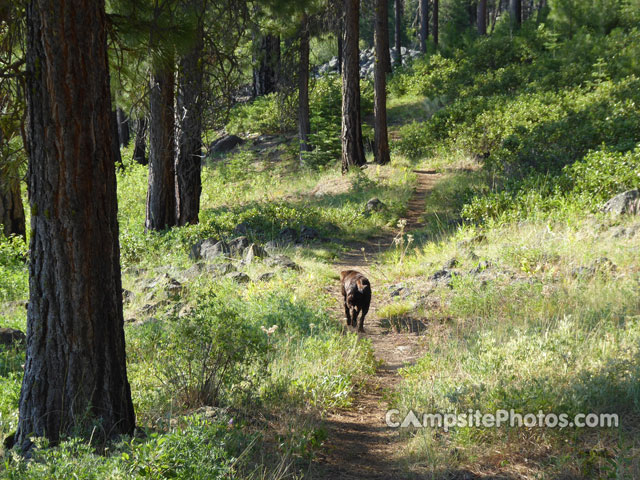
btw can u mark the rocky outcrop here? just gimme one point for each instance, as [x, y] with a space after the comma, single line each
[626, 202]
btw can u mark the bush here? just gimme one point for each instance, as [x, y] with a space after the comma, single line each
[209, 352]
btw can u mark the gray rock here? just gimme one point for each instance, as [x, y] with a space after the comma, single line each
[451, 264]
[225, 144]
[399, 290]
[157, 281]
[219, 269]
[208, 249]
[374, 205]
[583, 272]
[442, 277]
[333, 63]
[626, 232]
[626, 202]
[174, 288]
[127, 295]
[482, 266]
[237, 245]
[239, 277]
[265, 277]
[192, 272]
[11, 336]
[282, 261]
[252, 252]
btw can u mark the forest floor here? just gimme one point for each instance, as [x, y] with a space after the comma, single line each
[360, 445]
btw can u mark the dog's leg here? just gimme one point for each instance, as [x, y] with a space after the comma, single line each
[364, 312]
[354, 316]
[347, 312]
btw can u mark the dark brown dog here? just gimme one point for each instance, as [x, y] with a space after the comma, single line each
[356, 292]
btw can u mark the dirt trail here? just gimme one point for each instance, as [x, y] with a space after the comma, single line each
[360, 445]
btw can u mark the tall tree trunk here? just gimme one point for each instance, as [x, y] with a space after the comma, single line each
[482, 17]
[189, 157]
[515, 11]
[140, 147]
[381, 40]
[340, 46]
[161, 195]
[424, 25]
[11, 209]
[436, 7]
[123, 128]
[304, 126]
[265, 76]
[75, 375]
[352, 148]
[397, 61]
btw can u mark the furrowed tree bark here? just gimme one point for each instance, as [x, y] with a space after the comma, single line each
[75, 373]
[161, 195]
[189, 158]
[397, 61]
[436, 8]
[482, 17]
[11, 208]
[381, 141]
[265, 76]
[123, 128]
[352, 147]
[424, 25]
[140, 146]
[304, 126]
[515, 11]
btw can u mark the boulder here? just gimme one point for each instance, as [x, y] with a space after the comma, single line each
[253, 251]
[374, 205]
[225, 144]
[626, 202]
[283, 261]
[451, 264]
[265, 277]
[208, 249]
[219, 269]
[174, 288]
[239, 277]
[11, 336]
[237, 245]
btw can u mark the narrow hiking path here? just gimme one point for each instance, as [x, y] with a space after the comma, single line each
[360, 445]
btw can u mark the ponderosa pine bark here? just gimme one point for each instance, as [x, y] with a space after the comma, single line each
[398, 33]
[161, 194]
[436, 31]
[304, 125]
[140, 145]
[515, 11]
[352, 147]
[124, 135]
[189, 157]
[482, 17]
[424, 25]
[75, 376]
[381, 141]
[11, 208]
[265, 76]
